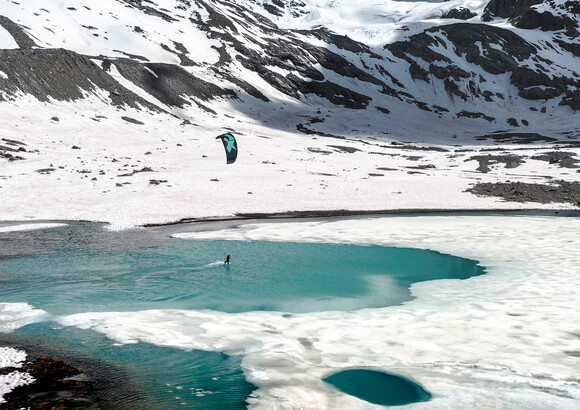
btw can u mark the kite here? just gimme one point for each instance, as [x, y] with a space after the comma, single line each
[230, 145]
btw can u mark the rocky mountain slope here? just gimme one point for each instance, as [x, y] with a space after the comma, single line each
[504, 64]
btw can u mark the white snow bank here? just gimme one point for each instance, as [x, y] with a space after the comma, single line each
[29, 227]
[17, 315]
[10, 357]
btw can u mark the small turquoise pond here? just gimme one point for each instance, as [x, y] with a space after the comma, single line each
[376, 387]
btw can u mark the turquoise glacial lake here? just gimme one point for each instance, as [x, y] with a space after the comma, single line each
[82, 267]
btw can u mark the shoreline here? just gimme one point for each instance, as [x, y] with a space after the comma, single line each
[312, 214]
[354, 213]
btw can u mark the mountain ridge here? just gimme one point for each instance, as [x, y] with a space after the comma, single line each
[475, 66]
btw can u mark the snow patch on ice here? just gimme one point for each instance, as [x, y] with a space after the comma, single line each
[29, 227]
[17, 315]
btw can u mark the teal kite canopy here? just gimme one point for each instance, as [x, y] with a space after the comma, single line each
[230, 145]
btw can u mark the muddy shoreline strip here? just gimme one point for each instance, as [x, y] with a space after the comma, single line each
[354, 213]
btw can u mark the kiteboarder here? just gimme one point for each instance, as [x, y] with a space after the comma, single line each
[227, 262]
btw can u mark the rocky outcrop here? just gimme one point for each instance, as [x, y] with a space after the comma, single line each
[558, 192]
[169, 83]
[559, 15]
[61, 75]
[57, 385]
[66, 76]
[509, 9]
[459, 13]
[278, 8]
[495, 50]
[18, 33]
[300, 59]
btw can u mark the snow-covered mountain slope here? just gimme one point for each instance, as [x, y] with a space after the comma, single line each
[365, 105]
[506, 65]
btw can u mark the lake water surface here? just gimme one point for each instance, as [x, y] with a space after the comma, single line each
[82, 267]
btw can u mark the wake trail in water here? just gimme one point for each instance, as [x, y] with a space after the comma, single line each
[211, 265]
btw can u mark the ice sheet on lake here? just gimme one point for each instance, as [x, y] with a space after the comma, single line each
[17, 315]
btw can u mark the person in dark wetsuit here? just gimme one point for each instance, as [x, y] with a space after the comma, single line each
[227, 262]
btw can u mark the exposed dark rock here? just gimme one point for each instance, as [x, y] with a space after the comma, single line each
[247, 87]
[508, 8]
[287, 52]
[182, 53]
[318, 151]
[57, 386]
[12, 142]
[562, 158]
[12, 146]
[558, 192]
[408, 147]
[45, 170]
[423, 167]
[60, 74]
[523, 14]
[308, 131]
[459, 13]
[448, 72]
[297, 64]
[572, 99]
[510, 161]
[453, 89]
[17, 32]
[342, 148]
[517, 137]
[545, 21]
[417, 72]
[418, 45]
[139, 4]
[132, 120]
[496, 50]
[573, 48]
[144, 169]
[468, 38]
[468, 114]
[169, 83]
[341, 41]
[10, 157]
